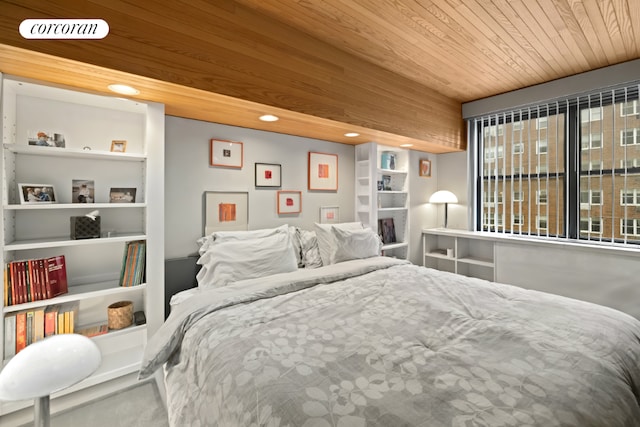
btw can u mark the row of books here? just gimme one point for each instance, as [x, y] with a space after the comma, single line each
[133, 263]
[34, 279]
[28, 326]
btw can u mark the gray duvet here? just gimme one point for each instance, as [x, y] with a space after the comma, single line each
[381, 342]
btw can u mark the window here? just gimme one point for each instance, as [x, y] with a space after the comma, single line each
[591, 141]
[591, 115]
[629, 109]
[630, 197]
[491, 198]
[541, 147]
[491, 153]
[629, 136]
[572, 168]
[630, 227]
[541, 197]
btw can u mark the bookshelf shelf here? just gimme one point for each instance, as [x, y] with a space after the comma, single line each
[19, 245]
[83, 206]
[73, 153]
[81, 292]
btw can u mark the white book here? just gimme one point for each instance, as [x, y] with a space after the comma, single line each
[9, 336]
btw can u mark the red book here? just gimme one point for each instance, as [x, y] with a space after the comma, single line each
[21, 330]
[57, 272]
[44, 278]
[51, 320]
[35, 291]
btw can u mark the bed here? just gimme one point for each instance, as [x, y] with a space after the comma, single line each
[367, 340]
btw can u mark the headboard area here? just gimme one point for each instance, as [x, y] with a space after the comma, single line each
[179, 275]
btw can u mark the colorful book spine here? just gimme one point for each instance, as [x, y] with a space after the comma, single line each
[9, 335]
[21, 330]
[38, 324]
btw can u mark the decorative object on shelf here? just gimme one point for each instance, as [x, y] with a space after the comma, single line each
[388, 160]
[322, 171]
[425, 168]
[268, 175]
[139, 318]
[86, 148]
[82, 191]
[46, 367]
[118, 146]
[46, 139]
[380, 185]
[132, 271]
[329, 215]
[85, 227]
[225, 211]
[120, 314]
[36, 193]
[443, 197]
[386, 182]
[225, 153]
[289, 202]
[387, 230]
[122, 195]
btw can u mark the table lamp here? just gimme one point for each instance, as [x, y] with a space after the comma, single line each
[443, 197]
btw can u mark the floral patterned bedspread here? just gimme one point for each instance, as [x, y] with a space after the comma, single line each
[381, 342]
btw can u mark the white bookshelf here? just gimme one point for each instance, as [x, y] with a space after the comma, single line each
[89, 123]
[373, 204]
[472, 253]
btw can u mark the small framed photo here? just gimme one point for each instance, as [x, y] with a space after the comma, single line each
[82, 191]
[329, 214]
[323, 171]
[36, 193]
[43, 138]
[118, 146]
[225, 211]
[122, 195]
[225, 153]
[268, 175]
[289, 202]
[425, 168]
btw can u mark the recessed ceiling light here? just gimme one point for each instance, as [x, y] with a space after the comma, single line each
[351, 134]
[123, 89]
[406, 145]
[269, 118]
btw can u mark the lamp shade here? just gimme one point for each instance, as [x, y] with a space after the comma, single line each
[443, 196]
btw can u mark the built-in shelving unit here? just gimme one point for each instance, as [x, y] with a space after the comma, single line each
[391, 200]
[89, 123]
[459, 251]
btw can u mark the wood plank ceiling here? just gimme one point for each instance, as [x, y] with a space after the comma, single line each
[396, 71]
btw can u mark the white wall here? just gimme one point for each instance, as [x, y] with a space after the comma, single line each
[188, 175]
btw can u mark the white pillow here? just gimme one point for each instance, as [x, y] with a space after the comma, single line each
[227, 236]
[326, 241]
[227, 262]
[355, 244]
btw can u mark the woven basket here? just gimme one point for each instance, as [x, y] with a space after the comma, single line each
[120, 314]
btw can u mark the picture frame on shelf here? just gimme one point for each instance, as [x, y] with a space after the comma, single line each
[122, 195]
[225, 211]
[386, 182]
[268, 175]
[226, 153]
[387, 229]
[329, 214]
[425, 168]
[42, 138]
[82, 191]
[322, 171]
[118, 146]
[289, 202]
[33, 194]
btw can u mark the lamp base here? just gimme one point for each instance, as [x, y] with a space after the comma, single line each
[42, 417]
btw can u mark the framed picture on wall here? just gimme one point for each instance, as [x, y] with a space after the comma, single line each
[225, 211]
[268, 175]
[425, 168]
[323, 171]
[329, 214]
[289, 202]
[225, 153]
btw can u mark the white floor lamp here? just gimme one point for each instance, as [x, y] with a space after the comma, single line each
[443, 197]
[48, 366]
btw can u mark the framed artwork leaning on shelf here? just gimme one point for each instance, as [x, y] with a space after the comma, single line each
[122, 195]
[36, 193]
